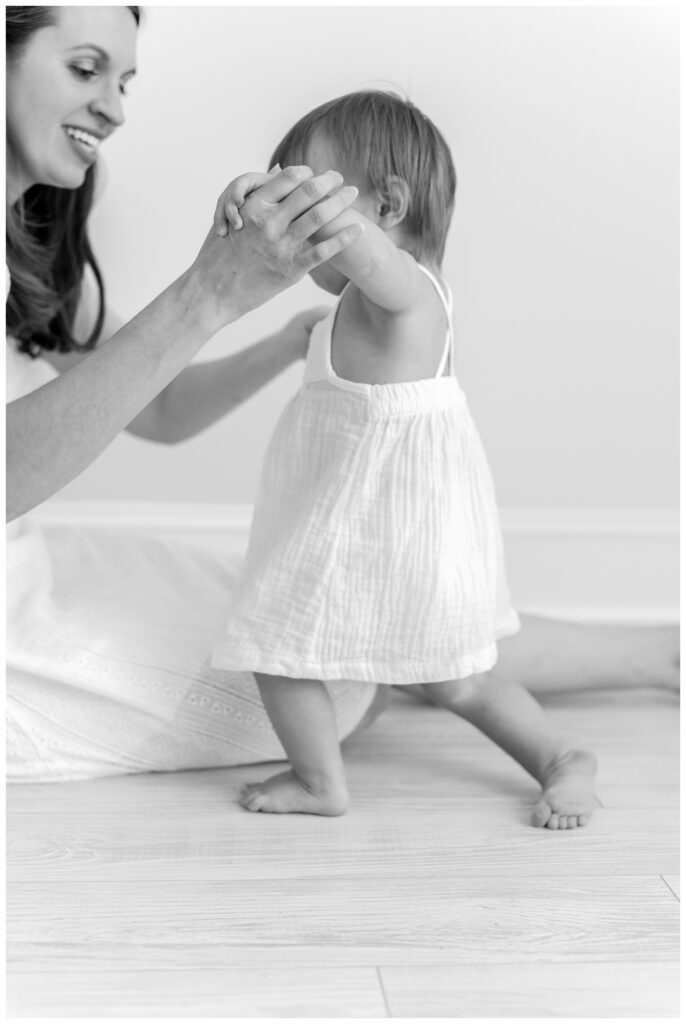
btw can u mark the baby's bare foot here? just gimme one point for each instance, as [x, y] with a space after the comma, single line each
[568, 796]
[286, 793]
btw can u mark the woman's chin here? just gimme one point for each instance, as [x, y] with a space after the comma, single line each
[74, 178]
[70, 176]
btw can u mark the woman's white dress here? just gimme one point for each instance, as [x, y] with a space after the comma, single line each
[108, 641]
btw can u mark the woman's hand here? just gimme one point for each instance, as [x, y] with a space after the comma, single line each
[239, 272]
[295, 335]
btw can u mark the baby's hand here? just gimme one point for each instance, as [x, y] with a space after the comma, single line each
[233, 197]
[297, 331]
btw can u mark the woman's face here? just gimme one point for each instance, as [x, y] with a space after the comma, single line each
[64, 95]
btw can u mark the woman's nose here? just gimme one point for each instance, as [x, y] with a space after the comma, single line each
[108, 104]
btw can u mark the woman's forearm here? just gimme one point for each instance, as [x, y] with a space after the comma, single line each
[54, 433]
[203, 393]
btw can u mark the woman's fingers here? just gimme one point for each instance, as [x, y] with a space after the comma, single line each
[295, 201]
[283, 183]
[310, 193]
[323, 213]
[313, 255]
[308, 205]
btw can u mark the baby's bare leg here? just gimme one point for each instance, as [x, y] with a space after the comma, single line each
[510, 716]
[303, 716]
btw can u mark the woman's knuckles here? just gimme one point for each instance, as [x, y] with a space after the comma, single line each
[316, 217]
[313, 189]
[296, 174]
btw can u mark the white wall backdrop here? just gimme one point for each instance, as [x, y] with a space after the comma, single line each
[563, 256]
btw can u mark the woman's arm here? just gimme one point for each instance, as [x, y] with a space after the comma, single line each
[204, 393]
[55, 432]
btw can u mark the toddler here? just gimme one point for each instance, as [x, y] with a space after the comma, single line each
[375, 552]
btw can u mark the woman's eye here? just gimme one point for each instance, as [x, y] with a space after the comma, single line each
[85, 74]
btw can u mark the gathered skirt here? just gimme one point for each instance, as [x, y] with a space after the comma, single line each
[375, 552]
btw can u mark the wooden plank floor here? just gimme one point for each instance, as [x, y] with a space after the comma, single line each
[157, 896]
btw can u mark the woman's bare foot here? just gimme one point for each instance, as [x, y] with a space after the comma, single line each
[568, 796]
[286, 793]
[658, 657]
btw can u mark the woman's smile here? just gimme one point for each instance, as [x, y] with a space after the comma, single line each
[85, 143]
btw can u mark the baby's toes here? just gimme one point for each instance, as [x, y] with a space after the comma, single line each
[541, 814]
[252, 798]
[553, 821]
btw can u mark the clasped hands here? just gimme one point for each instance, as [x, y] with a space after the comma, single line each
[251, 256]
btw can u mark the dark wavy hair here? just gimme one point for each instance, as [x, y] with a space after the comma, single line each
[383, 135]
[47, 241]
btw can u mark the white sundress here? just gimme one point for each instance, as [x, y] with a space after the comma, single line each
[375, 551]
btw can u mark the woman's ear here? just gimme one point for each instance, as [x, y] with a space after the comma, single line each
[394, 203]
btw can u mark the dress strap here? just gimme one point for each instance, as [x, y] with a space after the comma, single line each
[448, 356]
[318, 361]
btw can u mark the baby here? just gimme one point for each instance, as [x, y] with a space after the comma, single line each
[375, 552]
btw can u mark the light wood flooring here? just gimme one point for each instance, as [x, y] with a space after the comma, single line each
[158, 896]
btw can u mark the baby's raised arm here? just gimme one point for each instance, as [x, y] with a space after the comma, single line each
[388, 276]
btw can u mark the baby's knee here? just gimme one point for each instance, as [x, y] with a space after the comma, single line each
[451, 693]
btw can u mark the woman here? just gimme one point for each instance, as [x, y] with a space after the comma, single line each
[108, 637]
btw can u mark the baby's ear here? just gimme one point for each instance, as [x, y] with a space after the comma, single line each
[394, 202]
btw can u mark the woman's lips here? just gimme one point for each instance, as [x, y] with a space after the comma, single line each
[85, 143]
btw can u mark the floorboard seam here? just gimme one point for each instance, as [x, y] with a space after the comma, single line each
[670, 888]
[383, 992]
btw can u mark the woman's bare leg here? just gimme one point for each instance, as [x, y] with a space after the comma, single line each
[552, 656]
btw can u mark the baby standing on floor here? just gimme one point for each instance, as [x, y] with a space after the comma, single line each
[375, 552]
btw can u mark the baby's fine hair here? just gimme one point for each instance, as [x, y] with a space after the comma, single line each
[383, 135]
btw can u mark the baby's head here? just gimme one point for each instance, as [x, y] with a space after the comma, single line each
[395, 156]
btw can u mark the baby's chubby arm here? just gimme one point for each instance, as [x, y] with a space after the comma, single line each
[385, 274]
